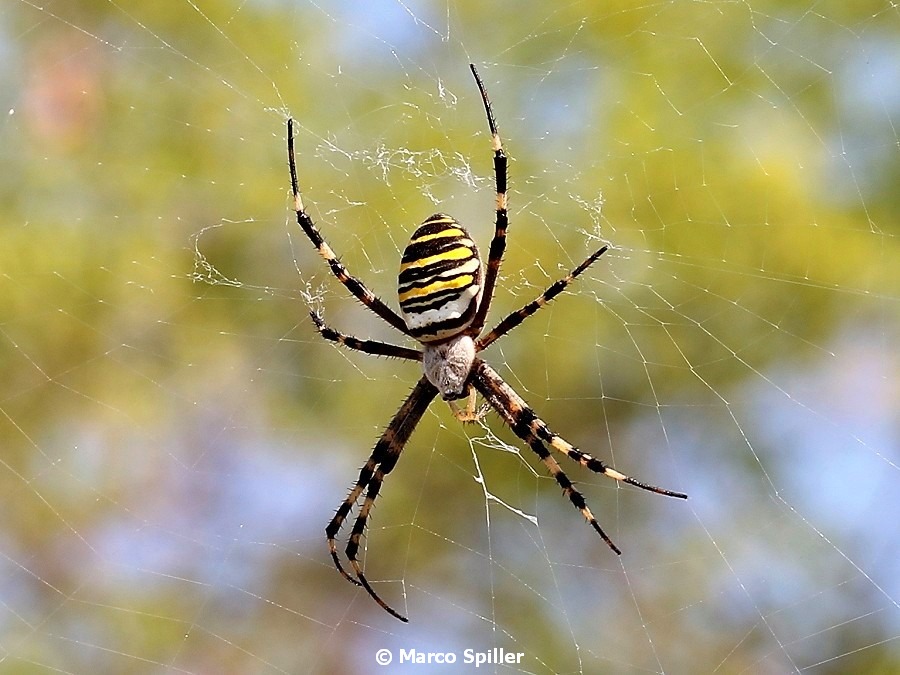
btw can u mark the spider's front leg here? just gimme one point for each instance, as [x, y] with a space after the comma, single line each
[380, 463]
[530, 428]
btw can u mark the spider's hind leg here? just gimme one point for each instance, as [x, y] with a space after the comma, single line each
[356, 287]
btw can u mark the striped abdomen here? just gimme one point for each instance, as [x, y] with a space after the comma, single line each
[440, 280]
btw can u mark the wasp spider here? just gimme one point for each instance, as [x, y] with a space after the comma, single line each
[444, 299]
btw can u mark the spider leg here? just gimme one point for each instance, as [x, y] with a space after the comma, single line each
[380, 463]
[520, 315]
[507, 403]
[354, 285]
[365, 346]
[498, 243]
[530, 428]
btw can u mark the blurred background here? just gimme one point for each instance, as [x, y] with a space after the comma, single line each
[174, 436]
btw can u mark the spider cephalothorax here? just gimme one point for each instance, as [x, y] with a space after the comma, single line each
[444, 300]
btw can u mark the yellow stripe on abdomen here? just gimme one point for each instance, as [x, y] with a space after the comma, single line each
[436, 287]
[449, 232]
[463, 252]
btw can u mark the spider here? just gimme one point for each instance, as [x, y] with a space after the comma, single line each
[444, 299]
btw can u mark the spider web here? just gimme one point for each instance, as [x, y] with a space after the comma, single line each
[175, 436]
